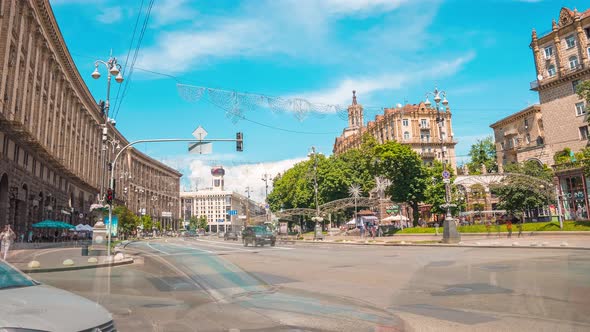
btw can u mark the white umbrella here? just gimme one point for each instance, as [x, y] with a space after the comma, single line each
[80, 228]
[399, 217]
[88, 228]
[352, 222]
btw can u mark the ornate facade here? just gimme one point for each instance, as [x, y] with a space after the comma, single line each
[562, 61]
[51, 128]
[414, 125]
[520, 137]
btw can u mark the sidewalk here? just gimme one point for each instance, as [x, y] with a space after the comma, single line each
[572, 240]
[61, 259]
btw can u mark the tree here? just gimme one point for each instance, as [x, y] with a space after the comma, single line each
[403, 167]
[518, 193]
[202, 223]
[128, 221]
[147, 223]
[483, 152]
[158, 226]
[531, 168]
[193, 223]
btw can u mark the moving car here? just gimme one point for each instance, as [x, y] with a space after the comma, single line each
[230, 235]
[27, 305]
[258, 236]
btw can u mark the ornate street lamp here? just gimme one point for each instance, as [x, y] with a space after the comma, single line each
[450, 233]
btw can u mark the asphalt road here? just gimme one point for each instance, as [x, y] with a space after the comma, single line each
[212, 285]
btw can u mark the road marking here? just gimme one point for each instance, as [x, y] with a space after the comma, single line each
[238, 244]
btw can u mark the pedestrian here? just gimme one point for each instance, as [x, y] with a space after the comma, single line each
[7, 237]
[519, 226]
[489, 227]
[509, 228]
[30, 236]
[436, 228]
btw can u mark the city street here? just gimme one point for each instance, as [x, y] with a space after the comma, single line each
[212, 285]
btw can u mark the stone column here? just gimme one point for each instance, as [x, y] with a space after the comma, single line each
[582, 41]
[557, 44]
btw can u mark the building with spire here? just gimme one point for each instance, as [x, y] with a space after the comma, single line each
[414, 125]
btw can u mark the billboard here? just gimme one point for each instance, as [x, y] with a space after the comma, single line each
[114, 227]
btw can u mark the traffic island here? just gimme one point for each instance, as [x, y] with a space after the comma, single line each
[68, 260]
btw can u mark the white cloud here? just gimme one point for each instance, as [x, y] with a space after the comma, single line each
[110, 15]
[172, 11]
[295, 29]
[365, 86]
[238, 178]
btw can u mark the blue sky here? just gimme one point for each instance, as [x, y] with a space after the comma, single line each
[390, 51]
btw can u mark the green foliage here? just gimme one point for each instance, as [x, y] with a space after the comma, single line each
[202, 222]
[526, 227]
[436, 190]
[403, 167]
[128, 221]
[562, 156]
[520, 193]
[147, 222]
[583, 91]
[531, 168]
[158, 226]
[483, 152]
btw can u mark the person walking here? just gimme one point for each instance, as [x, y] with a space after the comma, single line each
[7, 237]
[489, 227]
[509, 228]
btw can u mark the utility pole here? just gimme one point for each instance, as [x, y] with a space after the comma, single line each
[265, 178]
[318, 230]
[248, 206]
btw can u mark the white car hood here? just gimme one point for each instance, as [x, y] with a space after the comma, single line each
[47, 308]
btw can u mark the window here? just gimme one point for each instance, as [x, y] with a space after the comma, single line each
[587, 32]
[548, 52]
[588, 51]
[526, 123]
[551, 70]
[502, 145]
[583, 132]
[575, 85]
[573, 62]
[528, 138]
[570, 41]
[423, 123]
[405, 123]
[580, 108]
[406, 135]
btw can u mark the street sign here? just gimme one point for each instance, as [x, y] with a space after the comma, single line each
[199, 133]
[446, 180]
[232, 212]
[166, 214]
[200, 147]
[446, 175]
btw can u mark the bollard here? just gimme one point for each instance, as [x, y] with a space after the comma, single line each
[85, 250]
[34, 264]
[68, 262]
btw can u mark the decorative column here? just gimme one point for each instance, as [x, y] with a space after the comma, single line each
[582, 41]
[557, 45]
[536, 53]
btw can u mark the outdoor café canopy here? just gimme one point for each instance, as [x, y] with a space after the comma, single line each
[52, 224]
[399, 217]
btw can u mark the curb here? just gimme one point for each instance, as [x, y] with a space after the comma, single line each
[81, 267]
[442, 245]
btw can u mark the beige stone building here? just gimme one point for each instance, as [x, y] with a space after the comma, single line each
[520, 137]
[51, 128]
[562, 61]
[414, 125]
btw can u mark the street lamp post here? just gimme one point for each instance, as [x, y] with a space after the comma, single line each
[265, 178]
[317, 218]
[113, 68]
[450, 233]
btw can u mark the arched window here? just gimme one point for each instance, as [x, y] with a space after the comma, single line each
[573, 62]
[406, 135]
[551, 70]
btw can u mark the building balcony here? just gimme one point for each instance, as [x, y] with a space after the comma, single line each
[428, 155]
[424, 127]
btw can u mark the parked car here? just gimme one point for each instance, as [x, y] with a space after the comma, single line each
[28, 305]
[258, 236]
[230, 235]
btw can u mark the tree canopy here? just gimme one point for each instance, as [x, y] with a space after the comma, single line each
[483, 152]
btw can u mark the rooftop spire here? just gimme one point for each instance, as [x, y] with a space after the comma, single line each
[354, 97]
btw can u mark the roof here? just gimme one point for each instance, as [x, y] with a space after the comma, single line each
[531, 109]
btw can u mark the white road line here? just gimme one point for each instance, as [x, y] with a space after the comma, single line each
[190, 248]
[237, 244]
[165, 253]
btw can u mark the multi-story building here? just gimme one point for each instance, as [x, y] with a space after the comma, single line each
[520, 137]
[562, 61]
[216, 203]
[51, 130]
[414, 125]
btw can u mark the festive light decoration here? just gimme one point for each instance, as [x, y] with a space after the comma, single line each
[237, 104]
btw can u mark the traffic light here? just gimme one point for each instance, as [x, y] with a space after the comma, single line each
[239, 142]
[110, 196]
